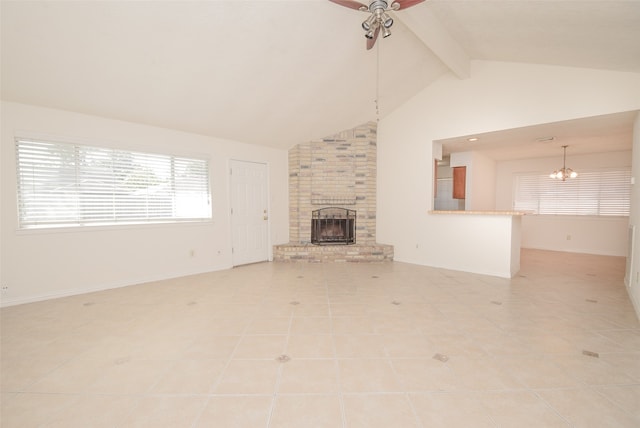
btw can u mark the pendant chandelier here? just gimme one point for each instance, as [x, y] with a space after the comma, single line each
[564, 172]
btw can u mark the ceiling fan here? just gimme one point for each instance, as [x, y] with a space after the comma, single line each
[379, 19]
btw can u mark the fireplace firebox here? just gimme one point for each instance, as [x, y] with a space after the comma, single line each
[333, 226]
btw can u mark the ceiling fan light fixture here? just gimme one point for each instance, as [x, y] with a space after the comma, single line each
[387, 21]
[379, 19]
[371, 33]
[366, 25]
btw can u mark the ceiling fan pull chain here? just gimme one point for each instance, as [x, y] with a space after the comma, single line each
[378, 83]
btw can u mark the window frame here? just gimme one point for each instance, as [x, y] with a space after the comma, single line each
[555, 203]
[78, 219]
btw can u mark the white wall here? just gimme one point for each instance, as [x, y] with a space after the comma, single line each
[498, 96]
[38, 264]
[633, 280]
[578, 234]
[488, 244]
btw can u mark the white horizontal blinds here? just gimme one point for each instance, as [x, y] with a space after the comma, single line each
[191, 188]
[65, 184]
[615, 197]
[601, 192]
[527, 193]
[47, 183]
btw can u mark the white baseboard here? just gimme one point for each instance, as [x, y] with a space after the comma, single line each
[635, 299]
[4, 302]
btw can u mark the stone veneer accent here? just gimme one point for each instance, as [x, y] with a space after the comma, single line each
[337, 171]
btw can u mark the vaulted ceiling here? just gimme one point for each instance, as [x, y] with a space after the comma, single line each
[278, 73]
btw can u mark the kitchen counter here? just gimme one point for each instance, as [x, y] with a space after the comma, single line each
[486, 242]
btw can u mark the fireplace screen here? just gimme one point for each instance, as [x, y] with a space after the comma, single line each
[331, 226]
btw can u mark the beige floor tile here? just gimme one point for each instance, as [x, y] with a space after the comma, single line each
[304, 309]
[311, 325]
[349, 309]
[248, 377]
[129, 377]
[424, 375]
[538, 372]
[260, 346]
[189, 377]
[211, 347]
[352, 325]
[520, 409]
[206, 348]
[593, 371]
[397, 323]
[379, 411]
[545, 342]
[226, 326]
[165, 412]
[360, 375]
[309, 376]
[454, 344]
[629, 340]
[310, 346]
[112, 348]
[236, 412]
[17, 374]
[449, 410]
[438, 326]
[408, 346]
[33, 409]
[269, 325]
[481, 374]
[100, 411]
[587, 408]
[275, 310]
[359, 346]
[318, 411]
[625, 396]
[76, 376]
[502, 344]
[627, 362]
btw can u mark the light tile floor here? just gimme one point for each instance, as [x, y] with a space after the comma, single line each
[333, 345]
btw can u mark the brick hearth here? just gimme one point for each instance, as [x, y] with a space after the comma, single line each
[337, 171]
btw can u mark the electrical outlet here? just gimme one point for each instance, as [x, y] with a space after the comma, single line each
[192, 253]
[568, 237]
[5, 288]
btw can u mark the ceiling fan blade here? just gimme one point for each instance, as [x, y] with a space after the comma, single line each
[372, 41]
[403, 4]
[351, 4]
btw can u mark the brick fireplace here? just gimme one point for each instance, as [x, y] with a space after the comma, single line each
[335, 172]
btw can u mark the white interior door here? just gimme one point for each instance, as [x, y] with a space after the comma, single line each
[249, 212]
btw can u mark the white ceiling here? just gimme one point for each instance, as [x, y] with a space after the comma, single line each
[278, 73]
[610, 133]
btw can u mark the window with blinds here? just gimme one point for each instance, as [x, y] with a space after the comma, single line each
[63, 185]
[604, 192]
